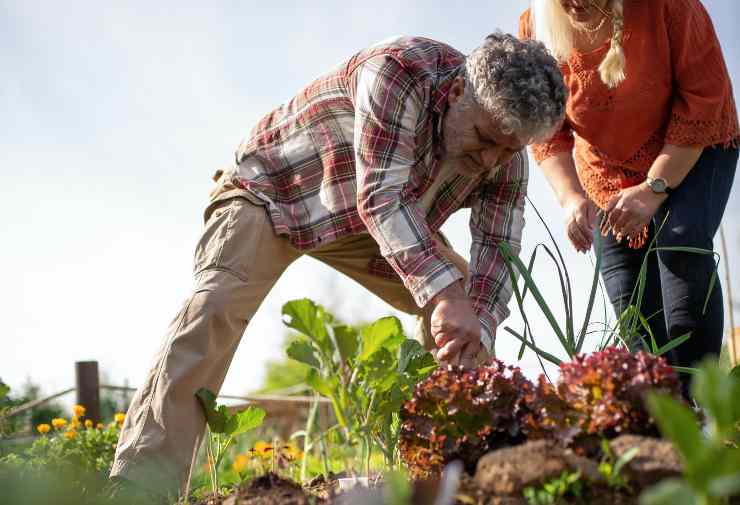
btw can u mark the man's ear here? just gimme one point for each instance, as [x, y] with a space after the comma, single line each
[457, 91]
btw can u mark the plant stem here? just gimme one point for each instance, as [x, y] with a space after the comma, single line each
[731, 343]
[369, 444]
[209, 457]
[310, 421]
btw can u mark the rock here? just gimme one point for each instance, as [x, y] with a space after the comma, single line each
[508, 471]
[656, 459]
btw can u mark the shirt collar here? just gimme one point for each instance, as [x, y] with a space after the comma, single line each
[439, 107]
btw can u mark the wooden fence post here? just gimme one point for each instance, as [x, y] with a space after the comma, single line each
[87, 383]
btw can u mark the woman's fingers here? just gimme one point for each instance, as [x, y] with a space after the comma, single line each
[578, 237]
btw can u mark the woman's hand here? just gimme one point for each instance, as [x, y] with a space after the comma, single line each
[631, 210]
[580, 219]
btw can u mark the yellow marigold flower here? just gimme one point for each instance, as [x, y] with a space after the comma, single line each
[58, 422]
[43, 428]
[240, 463]
[263, 449]
[74, 423]
[119, 417]
[79, 410]
[291, 452]
[70, 434]
[88, 423]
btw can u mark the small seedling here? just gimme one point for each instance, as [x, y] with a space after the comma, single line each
[223, 428]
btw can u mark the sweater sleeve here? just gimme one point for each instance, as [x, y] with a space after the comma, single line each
[562, 141]
[703, 110]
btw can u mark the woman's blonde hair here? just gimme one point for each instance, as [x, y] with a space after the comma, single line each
[553, 28]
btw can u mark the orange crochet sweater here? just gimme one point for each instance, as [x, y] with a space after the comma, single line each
[677, 91]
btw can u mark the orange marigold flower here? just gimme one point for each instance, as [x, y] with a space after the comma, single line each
[291, 452]
[74, 423]
[70, 434]
[263, 449]
[240, 463]
[58, 422]
[79, 410]
[43, 428]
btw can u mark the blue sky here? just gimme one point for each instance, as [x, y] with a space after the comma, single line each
[114, 117]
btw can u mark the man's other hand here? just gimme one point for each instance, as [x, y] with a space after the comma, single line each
[455, 327]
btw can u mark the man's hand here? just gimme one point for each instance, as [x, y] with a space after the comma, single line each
[455, 327]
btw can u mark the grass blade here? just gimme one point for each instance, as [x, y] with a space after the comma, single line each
[546, 355]
[592, 295]
[514, 260]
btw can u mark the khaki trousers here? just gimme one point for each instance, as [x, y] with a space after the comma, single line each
[237, 261]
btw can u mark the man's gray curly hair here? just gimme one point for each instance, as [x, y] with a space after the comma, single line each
[519, 83]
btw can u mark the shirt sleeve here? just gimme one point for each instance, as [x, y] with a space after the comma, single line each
[497, 216]
[703, 112]
[563, 140]
[389, 109]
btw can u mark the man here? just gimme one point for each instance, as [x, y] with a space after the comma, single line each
[359, 170]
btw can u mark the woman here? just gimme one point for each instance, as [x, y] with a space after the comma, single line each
[650, 139]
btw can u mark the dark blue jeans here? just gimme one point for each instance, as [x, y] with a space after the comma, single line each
[678, 282]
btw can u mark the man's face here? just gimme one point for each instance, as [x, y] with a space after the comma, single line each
[473, 140]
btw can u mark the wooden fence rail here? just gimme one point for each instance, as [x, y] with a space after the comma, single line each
[88, 389]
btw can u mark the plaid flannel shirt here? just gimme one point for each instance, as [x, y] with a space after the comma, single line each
[355, 151]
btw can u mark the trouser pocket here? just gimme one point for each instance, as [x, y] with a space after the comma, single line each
[231, 237]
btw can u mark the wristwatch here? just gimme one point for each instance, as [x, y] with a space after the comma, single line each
[659, 185]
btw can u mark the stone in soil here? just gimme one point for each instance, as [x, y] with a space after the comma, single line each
[507, 472]
[655, 460]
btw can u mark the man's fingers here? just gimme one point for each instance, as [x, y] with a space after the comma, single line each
[451, 350]
[441, 339]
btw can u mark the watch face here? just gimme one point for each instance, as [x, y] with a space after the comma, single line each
[658, 185]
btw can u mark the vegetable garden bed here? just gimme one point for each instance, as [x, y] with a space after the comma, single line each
[435, 435]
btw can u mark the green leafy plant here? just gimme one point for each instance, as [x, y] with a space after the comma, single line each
[21, 423]
[711, 464]
[567, 486]
[459, 413]
[4, 390]
[367, 374]
[397, 489]
[611, 467]
[223, 428]
[76, 451]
